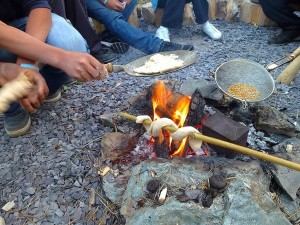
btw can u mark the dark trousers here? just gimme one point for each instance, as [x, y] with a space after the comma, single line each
[173, 12]
[280, 12]
[76, 12]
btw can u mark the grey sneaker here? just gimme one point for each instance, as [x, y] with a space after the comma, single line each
[17, 124]
[55, 97]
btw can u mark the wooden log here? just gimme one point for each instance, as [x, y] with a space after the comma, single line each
[188, 15]
[224, 9]
[253, 13]
[148, 13]
[289, 73]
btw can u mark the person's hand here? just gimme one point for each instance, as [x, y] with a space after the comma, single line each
[82, 66]
[10, 71]
[38, 92]
[116, 5]
[127, 2]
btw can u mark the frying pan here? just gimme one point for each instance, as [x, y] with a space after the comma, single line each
[246, 72]
[187, 57]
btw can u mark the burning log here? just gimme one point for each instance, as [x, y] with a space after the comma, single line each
[234, 147]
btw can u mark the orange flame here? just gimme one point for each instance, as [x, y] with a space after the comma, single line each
[161, 98]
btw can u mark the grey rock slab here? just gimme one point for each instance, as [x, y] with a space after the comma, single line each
[246, 198]
[288, 179]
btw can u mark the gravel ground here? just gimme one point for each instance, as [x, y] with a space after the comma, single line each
[49, 171]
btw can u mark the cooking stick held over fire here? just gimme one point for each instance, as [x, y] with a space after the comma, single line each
[228, 145]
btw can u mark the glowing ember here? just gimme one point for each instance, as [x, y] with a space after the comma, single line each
[171, 105]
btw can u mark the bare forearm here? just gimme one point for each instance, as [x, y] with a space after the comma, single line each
[39, 23]
[26, 46]
[38, 26]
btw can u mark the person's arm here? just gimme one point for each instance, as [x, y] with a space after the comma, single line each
[38, 26]
[80, 66]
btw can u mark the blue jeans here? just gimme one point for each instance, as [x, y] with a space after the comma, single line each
[116, 23]
[61, 35]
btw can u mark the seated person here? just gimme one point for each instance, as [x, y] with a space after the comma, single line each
[114, 15]
[75, 11]
[280, 12]
[173, 17]
[54, 64]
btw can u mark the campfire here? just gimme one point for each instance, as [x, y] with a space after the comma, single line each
[169, 173]
[175, 106]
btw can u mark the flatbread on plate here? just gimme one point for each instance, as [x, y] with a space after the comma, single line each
[159, 63]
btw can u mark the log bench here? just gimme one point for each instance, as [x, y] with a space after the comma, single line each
[228, 10]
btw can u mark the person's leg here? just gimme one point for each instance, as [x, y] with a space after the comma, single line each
[116, 25]
[280, 12]
[77, 14]
[200, 8]
[172, 17]
[173, 13]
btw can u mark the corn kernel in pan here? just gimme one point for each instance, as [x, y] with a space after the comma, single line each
[245, 92]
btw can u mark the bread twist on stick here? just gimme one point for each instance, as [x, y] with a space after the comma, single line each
[14, 90]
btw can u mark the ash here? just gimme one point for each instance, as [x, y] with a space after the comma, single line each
[144, 148]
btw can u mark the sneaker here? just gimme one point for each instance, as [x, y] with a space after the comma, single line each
[106, 55]
[163, 33]
[54, 97]
[17, 124]
[285, 36]
[118, 47]
[170, 46]
[211, 31]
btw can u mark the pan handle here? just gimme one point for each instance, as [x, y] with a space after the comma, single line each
[296, 53]
[109, 67]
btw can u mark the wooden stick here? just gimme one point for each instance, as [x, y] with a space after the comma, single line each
[288, 74]
[228, 145]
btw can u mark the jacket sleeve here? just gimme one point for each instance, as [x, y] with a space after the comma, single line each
[29, 5]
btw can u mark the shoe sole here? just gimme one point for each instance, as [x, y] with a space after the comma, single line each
[55, 99]
[20, 132]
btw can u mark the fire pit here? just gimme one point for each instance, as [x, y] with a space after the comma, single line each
[196, 186]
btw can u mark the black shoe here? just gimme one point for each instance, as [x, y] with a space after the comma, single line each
[106, 55]
[255, 1]
[18, 123]
[117, 47]
[170, 46]
[285, 36]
